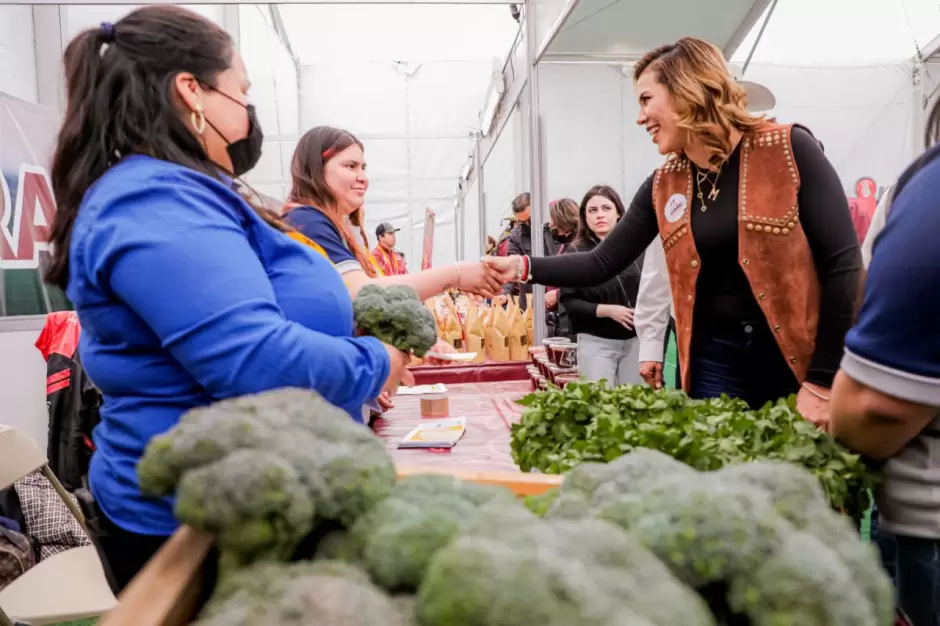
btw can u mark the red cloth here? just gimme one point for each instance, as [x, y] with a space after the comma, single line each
[488, 372]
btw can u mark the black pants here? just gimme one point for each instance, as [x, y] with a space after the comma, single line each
[742, 361]
[123, 554]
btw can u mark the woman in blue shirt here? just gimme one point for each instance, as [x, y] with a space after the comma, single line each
[186, 295]
[329, 184]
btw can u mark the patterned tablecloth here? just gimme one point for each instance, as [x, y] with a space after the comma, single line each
[490, 408]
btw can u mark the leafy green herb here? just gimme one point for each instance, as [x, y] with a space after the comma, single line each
[589, 422]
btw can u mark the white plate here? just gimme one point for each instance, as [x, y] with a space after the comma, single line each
[462, 357]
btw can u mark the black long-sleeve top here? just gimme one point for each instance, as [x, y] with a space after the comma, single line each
[723, 294]
[581, 303]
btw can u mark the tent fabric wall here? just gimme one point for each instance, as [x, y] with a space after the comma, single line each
[501, 182]
[863, 115]
[275, 93]
[414, 146]
[17, 58]
[472, 237]
[589, 131]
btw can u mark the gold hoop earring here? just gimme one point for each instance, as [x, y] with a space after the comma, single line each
[198, 119]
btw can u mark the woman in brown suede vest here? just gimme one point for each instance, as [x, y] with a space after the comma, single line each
[762, 255]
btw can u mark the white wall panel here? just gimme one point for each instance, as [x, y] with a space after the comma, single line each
[273, 75]
[582, 115]
[17, 59]
[23, 385]
[499, 180]
[863, 115]
[471, 223]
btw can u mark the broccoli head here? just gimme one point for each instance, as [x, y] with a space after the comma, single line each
[324, 592]
[263, 471]
[397, 539]
[803, 584]
[396, 316]
[589, 486]
[556, 573]
[207, 434]
[797, 495]
[253, 501]
[705, 530]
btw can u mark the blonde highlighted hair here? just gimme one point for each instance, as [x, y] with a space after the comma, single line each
[707, 99]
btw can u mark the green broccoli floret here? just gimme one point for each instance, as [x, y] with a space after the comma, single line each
[323, 592]
[396, 316]
[555, 573]
[705, 530]
[252, 501]
[262, 471]
[862, 560]
[206, 434]
[397, 539]
[541, 503]
[804, 584]
[797, 495]
[345, 480]
[590, 486]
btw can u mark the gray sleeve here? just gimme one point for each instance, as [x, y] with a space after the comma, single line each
[892, 382]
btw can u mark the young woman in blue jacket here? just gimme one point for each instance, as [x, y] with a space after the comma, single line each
[185, 293]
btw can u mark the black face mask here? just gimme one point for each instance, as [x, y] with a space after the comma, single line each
[246, 152]
[558, 238]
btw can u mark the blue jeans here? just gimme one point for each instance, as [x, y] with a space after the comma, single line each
[742, 361]
[914, 566]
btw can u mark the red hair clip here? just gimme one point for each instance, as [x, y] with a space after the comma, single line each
[329, 152]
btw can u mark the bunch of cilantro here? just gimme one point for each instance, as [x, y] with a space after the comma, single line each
[590, 422]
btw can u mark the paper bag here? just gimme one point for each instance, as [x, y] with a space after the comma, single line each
[473, 331]
[517, 334]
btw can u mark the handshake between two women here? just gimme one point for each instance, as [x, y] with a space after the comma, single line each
[487, 277]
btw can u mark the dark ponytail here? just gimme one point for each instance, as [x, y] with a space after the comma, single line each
[121, 101]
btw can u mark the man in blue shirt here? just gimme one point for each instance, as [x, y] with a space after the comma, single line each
[886, 398]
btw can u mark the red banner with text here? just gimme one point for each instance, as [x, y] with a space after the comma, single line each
[27, 140]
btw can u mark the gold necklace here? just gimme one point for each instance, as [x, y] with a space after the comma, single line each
[702, 177]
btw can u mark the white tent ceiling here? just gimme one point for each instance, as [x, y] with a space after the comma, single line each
[844, 32]
[621, 28]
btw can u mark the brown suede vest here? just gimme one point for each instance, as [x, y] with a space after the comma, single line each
[772, 247]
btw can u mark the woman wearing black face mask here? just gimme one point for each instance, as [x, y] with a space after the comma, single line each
[185, 294]
[558, 234]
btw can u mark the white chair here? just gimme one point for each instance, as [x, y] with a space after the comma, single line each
[67, 586]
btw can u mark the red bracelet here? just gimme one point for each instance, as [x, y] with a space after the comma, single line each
[526, 277]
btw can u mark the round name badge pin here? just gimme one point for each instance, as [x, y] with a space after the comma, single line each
[675, 207]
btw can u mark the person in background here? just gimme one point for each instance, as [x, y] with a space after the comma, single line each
[558, 233]
[653, 316]
[602, 316]
[886, 396]
[763, 259]
[185, 293]
[329, 183]
[561, 228]
[520, 239]
[390, 261]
